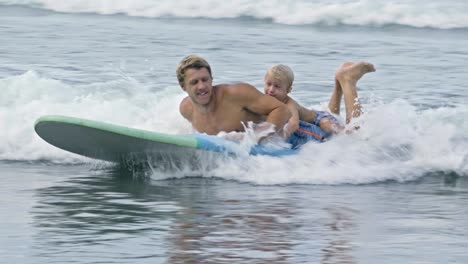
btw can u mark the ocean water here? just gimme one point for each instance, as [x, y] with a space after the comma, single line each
[394, 192]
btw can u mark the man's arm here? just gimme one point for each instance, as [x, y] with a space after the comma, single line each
[186, 109]
[253, 100]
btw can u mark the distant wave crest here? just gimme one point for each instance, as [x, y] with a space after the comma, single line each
[449, 14]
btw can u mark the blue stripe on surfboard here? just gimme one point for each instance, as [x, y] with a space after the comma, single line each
[214, 143]
[262, 150]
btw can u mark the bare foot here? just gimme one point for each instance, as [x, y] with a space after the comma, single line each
[353, 71]
[339, 72]
[347, 76]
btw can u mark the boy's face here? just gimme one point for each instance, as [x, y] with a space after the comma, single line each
[276, 88]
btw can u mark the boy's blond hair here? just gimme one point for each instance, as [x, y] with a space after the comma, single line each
[282, 72]
[191, 62]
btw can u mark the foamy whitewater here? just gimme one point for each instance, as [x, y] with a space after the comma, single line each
[121, 69]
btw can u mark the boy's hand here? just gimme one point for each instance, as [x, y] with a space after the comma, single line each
[290, 128]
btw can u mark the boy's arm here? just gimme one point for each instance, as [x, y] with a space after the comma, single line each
[293, 123]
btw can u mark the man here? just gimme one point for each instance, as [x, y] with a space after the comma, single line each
[212, 109]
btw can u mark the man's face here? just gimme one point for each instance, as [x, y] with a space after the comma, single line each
[198, 85]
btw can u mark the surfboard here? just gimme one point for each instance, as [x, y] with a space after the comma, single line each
[116, 143]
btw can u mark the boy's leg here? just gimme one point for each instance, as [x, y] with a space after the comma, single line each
[335, 100]
[347, 76]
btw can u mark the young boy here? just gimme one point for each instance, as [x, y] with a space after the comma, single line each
[306, 124]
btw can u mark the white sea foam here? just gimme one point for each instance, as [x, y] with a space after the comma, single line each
[415, 13]
[28, 96]
[395, 142]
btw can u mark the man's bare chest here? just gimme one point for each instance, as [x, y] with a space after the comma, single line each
[226, 120]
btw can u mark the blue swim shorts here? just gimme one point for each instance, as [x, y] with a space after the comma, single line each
[307, 132]
[321, 114]
[311, 131]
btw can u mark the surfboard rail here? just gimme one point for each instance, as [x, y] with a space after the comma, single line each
[179, 140]
[111, 142]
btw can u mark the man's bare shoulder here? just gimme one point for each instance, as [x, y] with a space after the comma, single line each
[237, 90]
[242, 85]
[186, 108]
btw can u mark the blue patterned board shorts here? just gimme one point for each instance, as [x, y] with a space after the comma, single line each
[321, 114]
[311, 131]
